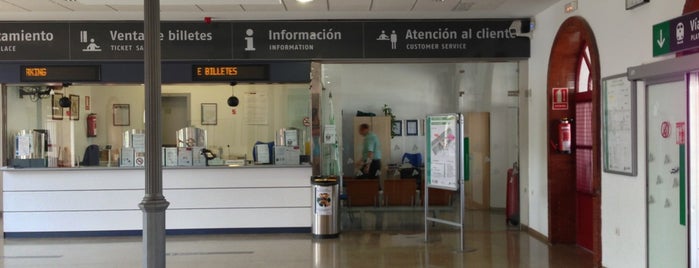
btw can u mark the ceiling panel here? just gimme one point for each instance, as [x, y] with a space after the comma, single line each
[76, 6]
[432, 5]
[487, 5]
[179, 8]
[127, 7]
[38, 5]
[392, 5]
[179, 2]
[219, 8]
[7, 7]
[255, 8]
[353, 5]
[317, 5]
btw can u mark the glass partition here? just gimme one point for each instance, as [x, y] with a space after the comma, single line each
[666, 178]
[104, 121]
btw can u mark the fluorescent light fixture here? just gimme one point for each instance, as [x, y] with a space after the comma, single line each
[304, 1]
[183, 2]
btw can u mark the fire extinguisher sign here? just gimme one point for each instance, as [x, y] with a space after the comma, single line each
[681, 133]
[559, 99]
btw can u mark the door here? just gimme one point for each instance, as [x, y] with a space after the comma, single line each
[174, 115]
[583, 145]
[666, 181]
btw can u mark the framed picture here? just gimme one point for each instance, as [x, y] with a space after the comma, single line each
[74, 107]
[411, 127]
[397, 128]
[121, 114]
[209, 114]
[56, 109]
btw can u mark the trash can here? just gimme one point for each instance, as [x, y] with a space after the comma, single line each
[325, 207]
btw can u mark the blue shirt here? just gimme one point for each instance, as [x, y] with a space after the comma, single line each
[371, 144]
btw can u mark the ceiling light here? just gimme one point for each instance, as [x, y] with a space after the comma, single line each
[304, 1]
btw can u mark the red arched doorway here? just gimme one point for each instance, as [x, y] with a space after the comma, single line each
[574, 180]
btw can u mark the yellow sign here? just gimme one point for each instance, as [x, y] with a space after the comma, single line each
[217, 71]
[36, 72]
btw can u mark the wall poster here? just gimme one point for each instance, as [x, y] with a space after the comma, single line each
[619, 125]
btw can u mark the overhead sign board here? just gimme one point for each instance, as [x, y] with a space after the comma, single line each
[180, 41]
[49, 73]
[229, 73]
[443, 39]
[678, 34]
[273, 40]
[297, 40]
[34, 41]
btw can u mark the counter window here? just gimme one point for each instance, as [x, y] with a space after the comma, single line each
[103, 125]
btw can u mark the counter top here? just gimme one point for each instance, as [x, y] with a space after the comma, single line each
[164, 168]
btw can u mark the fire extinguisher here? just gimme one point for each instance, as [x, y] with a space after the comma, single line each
[565, 136]
[92, 125]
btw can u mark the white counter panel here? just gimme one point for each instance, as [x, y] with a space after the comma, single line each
[180, 198]
[131, 179]
[74, 221]
[84, 200]
[86, 221]
[240, 218]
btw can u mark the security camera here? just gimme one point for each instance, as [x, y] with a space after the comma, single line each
[516, 29]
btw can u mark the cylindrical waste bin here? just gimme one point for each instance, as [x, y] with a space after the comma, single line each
[325, 206]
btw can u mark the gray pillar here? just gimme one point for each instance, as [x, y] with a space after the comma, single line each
[154, 203]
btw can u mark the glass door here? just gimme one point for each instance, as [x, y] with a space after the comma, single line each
[667, 133]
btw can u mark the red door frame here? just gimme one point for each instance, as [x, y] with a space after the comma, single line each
[572, 37]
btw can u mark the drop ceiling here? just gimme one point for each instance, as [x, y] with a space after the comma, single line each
[22, 10]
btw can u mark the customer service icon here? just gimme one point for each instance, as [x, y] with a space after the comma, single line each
[393, 38]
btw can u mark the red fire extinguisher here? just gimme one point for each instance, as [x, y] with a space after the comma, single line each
[565, 136]
[92, 125]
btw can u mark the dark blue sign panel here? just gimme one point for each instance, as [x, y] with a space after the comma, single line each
[114, 41]
[269, 40]
[684, 32]
[297, 40]
[33, 41]
[444, 39]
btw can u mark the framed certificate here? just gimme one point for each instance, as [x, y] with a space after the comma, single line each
[121, 114]
[209, 115]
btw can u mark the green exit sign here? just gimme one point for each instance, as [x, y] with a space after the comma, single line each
[661, 39]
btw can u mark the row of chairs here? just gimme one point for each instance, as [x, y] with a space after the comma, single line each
[403, 192]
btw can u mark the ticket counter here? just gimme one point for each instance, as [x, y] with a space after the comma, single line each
[41, 202]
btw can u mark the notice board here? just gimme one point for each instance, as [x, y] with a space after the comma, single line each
[444, 136]
[619, 125]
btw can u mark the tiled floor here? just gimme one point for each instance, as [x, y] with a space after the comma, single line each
[489, 244]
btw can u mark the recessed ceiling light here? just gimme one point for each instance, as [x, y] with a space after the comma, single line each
[304, 1]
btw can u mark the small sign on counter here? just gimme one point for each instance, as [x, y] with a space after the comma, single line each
[170, 156]
[184, 156]
[127, 157]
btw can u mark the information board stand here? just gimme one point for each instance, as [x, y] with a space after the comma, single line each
[444, 166]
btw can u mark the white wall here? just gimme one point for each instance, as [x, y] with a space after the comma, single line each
[624, 39]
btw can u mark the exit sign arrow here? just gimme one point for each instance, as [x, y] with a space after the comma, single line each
[661, 39]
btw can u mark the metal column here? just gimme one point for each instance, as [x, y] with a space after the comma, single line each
[154, 203]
